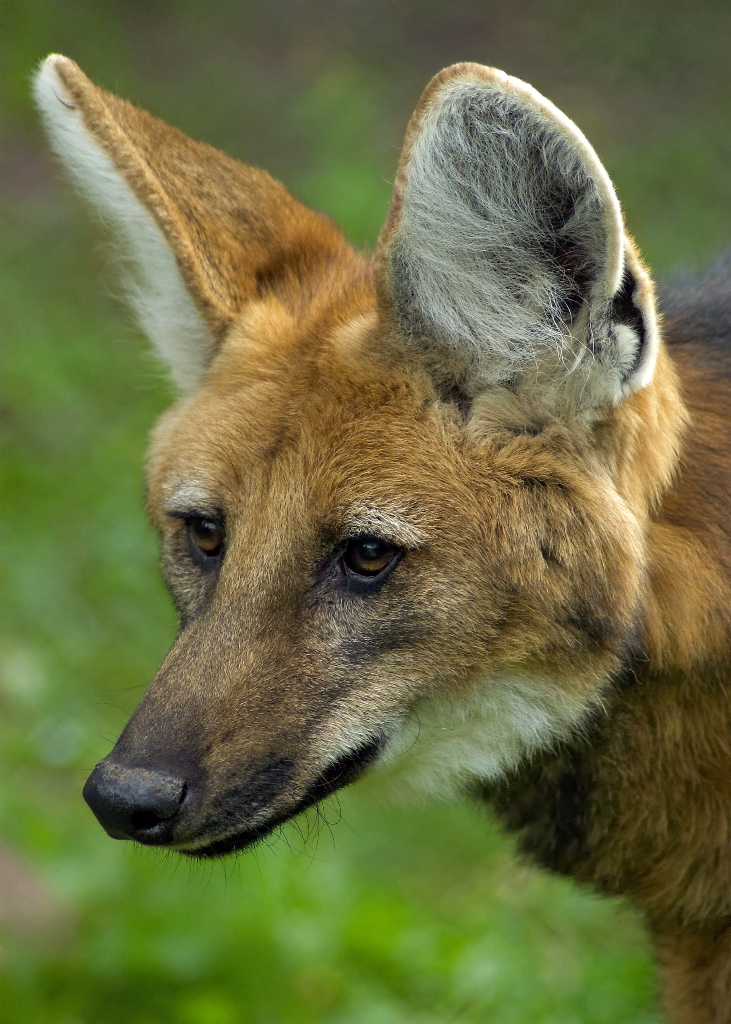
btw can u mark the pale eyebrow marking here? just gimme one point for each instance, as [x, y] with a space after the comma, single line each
[190, 497]
[388, 523]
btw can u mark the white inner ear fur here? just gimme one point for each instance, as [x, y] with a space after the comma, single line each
[505, 207]
[154, 285]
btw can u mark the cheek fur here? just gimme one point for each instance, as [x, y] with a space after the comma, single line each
[444, 744]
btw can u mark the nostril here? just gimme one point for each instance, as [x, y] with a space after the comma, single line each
[146, 820]
[143, 821]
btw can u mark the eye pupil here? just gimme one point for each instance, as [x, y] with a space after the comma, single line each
[207, 536]
[368, 556]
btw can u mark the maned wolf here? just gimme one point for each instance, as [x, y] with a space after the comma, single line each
[475, 488]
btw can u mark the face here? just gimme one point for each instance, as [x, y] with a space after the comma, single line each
[405, 507]
[350, 555]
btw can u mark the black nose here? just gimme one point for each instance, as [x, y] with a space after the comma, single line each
[135, 803]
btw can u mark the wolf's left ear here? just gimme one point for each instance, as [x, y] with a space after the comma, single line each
[202, 235]
[504, 257]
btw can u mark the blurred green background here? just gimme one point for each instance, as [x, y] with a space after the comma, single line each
[373, 911]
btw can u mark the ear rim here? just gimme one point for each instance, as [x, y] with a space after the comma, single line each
[622, 253]
[159, 294]
[645, 300]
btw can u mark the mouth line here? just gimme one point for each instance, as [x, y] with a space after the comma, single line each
[341, 773]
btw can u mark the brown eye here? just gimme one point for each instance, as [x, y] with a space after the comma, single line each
[207, 536]
[368, 556]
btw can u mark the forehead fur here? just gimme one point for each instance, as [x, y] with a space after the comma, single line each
[323, 393]
[329, 405]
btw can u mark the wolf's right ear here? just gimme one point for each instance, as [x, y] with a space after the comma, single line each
[504, 259]
[203, 234]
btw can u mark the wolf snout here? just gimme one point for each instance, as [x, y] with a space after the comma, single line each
[135, 803]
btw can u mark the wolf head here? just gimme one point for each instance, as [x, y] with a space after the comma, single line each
[402, 502]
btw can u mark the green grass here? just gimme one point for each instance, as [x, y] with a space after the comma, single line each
[393, 913]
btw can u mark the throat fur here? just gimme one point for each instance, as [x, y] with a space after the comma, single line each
[547, 802]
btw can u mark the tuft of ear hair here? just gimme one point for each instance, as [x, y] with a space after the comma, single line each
[504, 257]
[202, 235]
